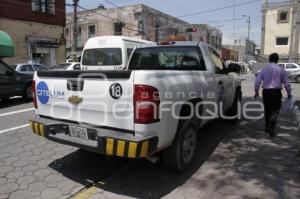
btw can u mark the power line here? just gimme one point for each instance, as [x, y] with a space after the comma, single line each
[111, 3]
[224, 20]
[218, 9]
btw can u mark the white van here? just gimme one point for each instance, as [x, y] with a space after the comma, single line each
[109, 52]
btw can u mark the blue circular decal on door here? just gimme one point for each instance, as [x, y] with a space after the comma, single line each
[42, 92]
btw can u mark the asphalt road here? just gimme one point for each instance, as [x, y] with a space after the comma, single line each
[32, 167]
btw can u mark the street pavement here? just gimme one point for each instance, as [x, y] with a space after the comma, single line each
[232, 161]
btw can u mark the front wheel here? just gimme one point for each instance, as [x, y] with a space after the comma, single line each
[181, 154]
[233, 111]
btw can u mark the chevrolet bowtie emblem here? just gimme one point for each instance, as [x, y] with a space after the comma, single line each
[75, 100]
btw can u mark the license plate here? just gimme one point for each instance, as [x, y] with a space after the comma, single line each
[78, 132]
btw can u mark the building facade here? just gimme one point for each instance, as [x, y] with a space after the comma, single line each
[244, 47]
[138, 21]
[37, 29]
[280, 29]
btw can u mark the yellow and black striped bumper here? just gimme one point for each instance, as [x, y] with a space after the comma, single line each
[130, 149]
[110, 146]
[37, 128]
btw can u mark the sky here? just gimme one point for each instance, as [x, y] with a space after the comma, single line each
[222, 19]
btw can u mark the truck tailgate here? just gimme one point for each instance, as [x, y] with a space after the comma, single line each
[98, 98]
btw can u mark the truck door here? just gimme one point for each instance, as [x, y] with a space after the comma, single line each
[8, 81]
[225, 82]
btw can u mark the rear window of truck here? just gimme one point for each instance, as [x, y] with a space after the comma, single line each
[167, 58]
[102, 57]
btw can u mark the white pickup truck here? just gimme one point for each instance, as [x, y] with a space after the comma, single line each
[158, 105]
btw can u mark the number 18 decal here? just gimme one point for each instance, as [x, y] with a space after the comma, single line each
[116, 91]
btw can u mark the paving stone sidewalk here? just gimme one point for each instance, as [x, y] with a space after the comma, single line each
[247, 164]
[233, 161]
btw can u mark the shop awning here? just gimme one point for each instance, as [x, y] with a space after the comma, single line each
[7, 47]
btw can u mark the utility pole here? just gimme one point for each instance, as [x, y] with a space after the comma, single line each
[293, 27]
[75, 29]
[297, 32]
[234, 13]
[249, 24]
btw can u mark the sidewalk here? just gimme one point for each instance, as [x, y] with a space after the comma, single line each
[233, 161]
[250, 165]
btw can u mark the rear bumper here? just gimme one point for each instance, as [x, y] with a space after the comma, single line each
[103, 141]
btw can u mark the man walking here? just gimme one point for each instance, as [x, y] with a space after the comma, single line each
[272, 77]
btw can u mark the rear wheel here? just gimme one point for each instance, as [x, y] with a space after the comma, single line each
[181, 154]
[297, 79]
[27, 93]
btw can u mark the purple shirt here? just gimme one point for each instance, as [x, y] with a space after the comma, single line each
[273, 76]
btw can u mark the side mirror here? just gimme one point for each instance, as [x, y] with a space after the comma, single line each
[234, 68]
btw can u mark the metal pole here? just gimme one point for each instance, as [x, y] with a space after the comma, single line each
[75, 27]
[234, 13]
[249, 26]
[293, 26]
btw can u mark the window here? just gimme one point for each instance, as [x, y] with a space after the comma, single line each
[129, 51]
[217, 61]
[283, 16]
[102, 57]
[39, 67]
[44, 6]
[156, 33]
[167, 58]
[26, 68]
[92, 31]
[118, 27]
[282, 41]
[5, 70]
[291, 66]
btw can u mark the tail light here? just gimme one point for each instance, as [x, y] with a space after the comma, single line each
[34, 94]
[146, 104]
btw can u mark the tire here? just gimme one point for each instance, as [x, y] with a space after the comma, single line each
[5, 99]
[233, 111]
[297, 79]
[181, 154]
[27, 92]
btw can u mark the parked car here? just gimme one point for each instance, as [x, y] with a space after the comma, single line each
[59, 66]
[290, 67]
[73, 66]
[67, 66]
[295, 76]
[14, 83]
[29, 68]
[130, 113]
